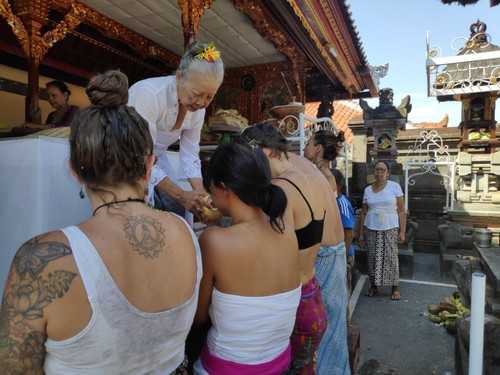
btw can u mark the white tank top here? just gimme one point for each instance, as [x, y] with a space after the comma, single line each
[119, 338]
[251, 330]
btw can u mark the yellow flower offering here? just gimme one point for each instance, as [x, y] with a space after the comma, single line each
[210, 53]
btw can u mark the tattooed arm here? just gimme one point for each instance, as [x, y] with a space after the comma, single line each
[29, 289]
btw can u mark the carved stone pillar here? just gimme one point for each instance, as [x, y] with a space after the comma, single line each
[191, 13]
[384, 122]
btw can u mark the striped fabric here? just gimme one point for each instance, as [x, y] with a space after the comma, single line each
[346, 211]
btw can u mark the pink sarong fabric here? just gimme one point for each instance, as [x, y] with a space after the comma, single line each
[218, 366]
[310, 325]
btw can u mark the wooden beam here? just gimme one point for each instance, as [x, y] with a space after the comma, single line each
[32, 111]
[191, 13]
[33, 15]
[19, 88]
[47, 62]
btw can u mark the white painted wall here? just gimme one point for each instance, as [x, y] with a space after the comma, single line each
[37, 191]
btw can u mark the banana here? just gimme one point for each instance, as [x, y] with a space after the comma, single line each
[433, 309]
[446, 315]
[448, 311]
[434, 318]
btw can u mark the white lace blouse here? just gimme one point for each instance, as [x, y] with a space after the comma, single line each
[382, 207]
[156, 100]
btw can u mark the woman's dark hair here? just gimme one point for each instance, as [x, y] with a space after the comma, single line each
[339, 180]
[385, 163]
[265, 135]
[109, 141]
[59, 85]
[246, 172]
[330, 142]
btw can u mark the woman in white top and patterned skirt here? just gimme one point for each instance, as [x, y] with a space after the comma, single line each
[384, 225]
[174, 107]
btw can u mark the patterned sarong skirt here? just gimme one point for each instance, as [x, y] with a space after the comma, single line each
[383, 263]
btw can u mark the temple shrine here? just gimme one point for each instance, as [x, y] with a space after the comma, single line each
[273, 50]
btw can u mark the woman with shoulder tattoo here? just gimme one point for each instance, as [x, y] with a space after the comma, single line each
[117, 293]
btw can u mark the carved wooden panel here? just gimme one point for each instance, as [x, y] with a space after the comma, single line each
[16, 25]
[320, 40]
[71, 20]
[269, 89]
[35, 14]
[191, 13]
[266, 26]
[37, 10]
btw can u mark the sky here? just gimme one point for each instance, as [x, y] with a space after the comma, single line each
[394, 32]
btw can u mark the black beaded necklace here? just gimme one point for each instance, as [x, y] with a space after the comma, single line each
[117, 202]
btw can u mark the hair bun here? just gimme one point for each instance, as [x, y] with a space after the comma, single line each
[109, 89]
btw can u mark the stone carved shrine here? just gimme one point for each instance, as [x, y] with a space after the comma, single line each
[384, 122]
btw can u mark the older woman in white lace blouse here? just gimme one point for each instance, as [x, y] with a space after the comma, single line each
[174, 107]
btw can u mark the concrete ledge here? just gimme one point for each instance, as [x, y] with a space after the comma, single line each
[490, 259]
[448, 257]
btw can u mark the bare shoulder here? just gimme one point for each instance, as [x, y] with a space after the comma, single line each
[41, 272]
[301, 162]
[286, 186]
[38, 253]
[173, 221]
[215, 239]
[161, 223]
[219, 243]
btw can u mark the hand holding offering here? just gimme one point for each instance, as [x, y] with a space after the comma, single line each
[209, 214]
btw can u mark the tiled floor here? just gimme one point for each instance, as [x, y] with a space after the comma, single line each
[396, 338]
